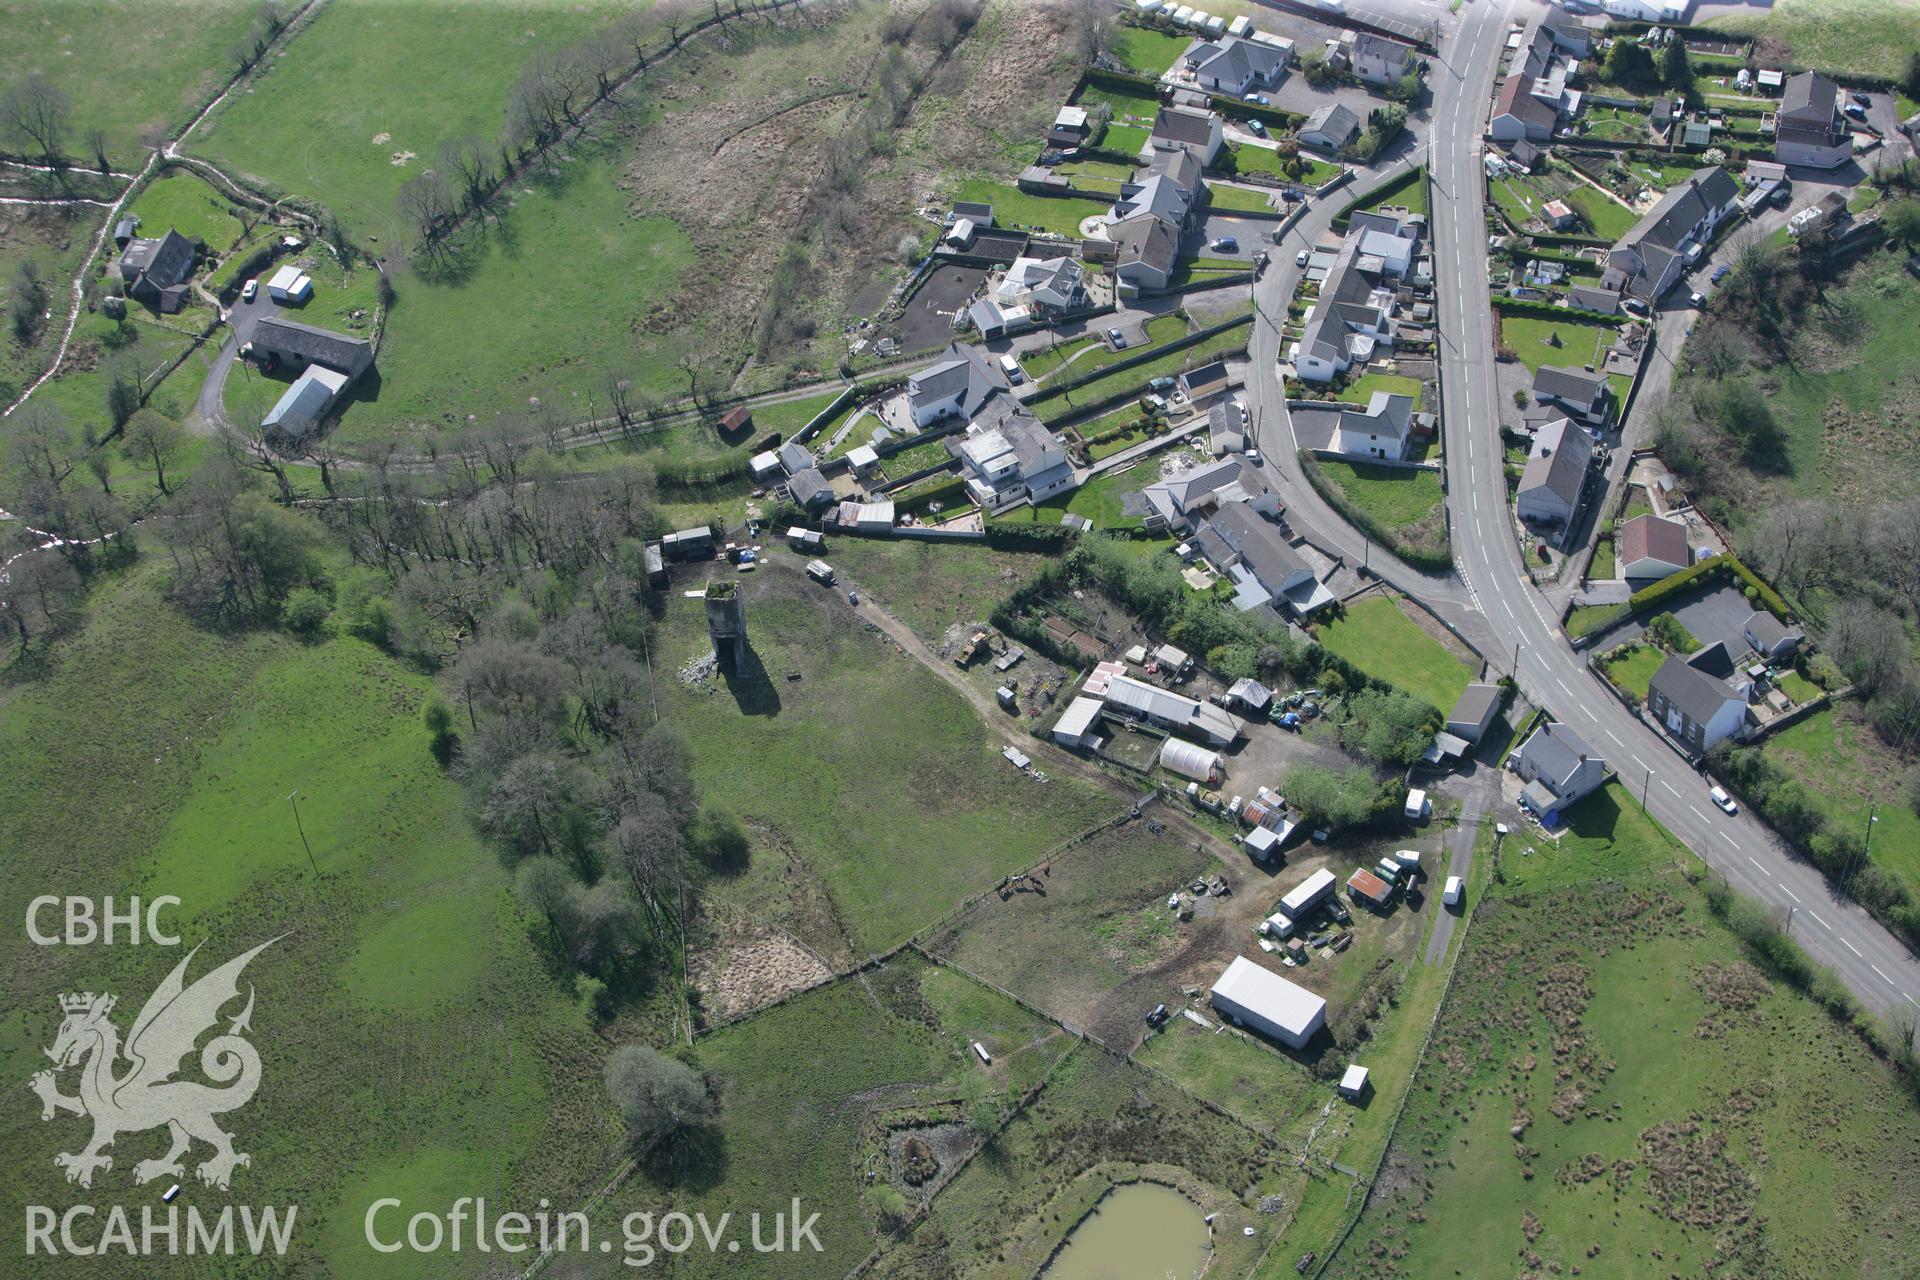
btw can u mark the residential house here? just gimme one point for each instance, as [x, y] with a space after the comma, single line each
[1593, 298]
[155, 271]
[1180, 167]
[1535, 57]
[1387, 243]
[1045, 286]
[1518, 115]
[1008, 456]
[955, 385]
[1145, 250]
[1227, 428]
[1377, 60]
[1700, 699]
[1201, 384]
[1350, 319]
[1810, 130]
[1178, 503]
[1651, 257]
[1330, 128]
[1570, 35]
[1381, 430]
[1473, 713]
[1559, 768]
[810, 490]
[1159, 197]
[1236, 67]
[1583, 395]
[1650, 548]
[1648, 11]
[1771, 638]
[1198, 131]
[1248, 550]
[1553, 484]
[794, 457]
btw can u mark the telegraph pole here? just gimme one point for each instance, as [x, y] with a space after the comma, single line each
[293, 798]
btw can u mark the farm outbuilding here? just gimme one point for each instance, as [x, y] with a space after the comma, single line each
[1251, 694]
[1190, 760]
[1079, 726]
[801, 539]
[763, 465]
[1364, 886]
[289, 284]
[1353, 1083]
[1261, 843]
[1267, 1002]
[1304, 896]
[862, 458]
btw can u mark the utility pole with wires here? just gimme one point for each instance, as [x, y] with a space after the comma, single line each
[293, 797]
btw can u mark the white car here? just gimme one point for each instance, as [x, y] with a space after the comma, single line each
[1697, 299]
[1725, 801]
[1300, 258]
[1454, 892]
[250, 291]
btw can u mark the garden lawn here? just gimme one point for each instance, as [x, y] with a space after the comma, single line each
[407, 941]
[1084, 356]
[1532, 339]
[1408, 190]
[1051, 410]
[457, 61]
[1248, 158]
[525, 321]
[1377, 637]
[1849, 769]
[1608, 217]
[1125, 105]
[1361, 389]
[1148, 51]
[1606, 561]
[1223, 197]
[1015, 208]
[179, 201]
[1633, 670]
[867, 779]
[135, 69]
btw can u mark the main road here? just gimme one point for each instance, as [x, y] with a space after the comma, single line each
[1502, 610]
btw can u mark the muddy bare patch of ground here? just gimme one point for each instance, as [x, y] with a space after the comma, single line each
[750, 967]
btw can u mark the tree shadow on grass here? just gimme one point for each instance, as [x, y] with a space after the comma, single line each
[694, 1160]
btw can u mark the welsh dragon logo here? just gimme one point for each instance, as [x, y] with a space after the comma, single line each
[146, 1094]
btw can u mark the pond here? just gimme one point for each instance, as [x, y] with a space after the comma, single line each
[1141, 1231]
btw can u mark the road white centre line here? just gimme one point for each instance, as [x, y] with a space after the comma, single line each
[1849, 946]
[1563, 686]
[1764, 871]
[1883, 977]
[1669, 786]
[1910, 1000]
[1822, 923]
[1791, 894]
[1643, 764]
[1616, 741]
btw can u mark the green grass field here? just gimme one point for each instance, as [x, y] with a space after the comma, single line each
[1848, 768]
[1609, 218]
[148, 756]
[1361, 389]
[1138, 108]
[1607, 1089]
[136, 89]
[1863, 37]
[1148, 51]
[1013, 207]
[1377, 637]
[184, 203]
[1606, 561]
[1408, 503]
[458, 61]
[55, 243]
[867, 778]
[932, 586]
[1633, 668]
[530, 323]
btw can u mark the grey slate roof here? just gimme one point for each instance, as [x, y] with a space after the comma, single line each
[1145, 239]
[1594, 298]
[1257, 543]
[1387, 415]
[962, 369]
[1555, 750]
[1682, 208]
[1333, 121]
[809, 487]
[1235, 59]
[1561, 468]
[1474, 704]
[1184, 125]
[338, 351]
[1178, 165]
[1808, 99]
[1769, 632]
[1574, 386]
[1698, 695]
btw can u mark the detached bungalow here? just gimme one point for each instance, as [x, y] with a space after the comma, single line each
[1652, 548]
[1771, 638]
[1198, 131]
[1330, 128]
[1559, 769]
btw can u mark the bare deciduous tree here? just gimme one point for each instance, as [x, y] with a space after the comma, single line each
[34, 113]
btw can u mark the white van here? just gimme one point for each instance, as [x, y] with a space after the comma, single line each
[1011, 367]
[1454, 892]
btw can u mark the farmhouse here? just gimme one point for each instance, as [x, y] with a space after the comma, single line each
[1582, 395]
[1651, 257]
[1382, 430]
[1235, 66]
[1554, 480]
[1519, 115]
[1330, 128]
[1652, 548]
[1810, 130]
[957, 384]
[1771, 638]
[1196, 130]
[1558, 767]
[1700, 699]
[155, 271]
[1473, 713]
[330, 364]
[1267, 1002]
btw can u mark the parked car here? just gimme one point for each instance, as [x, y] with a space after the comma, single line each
[1454, 892]
[1253, 456]
[1117, 338]
[1697, 298]
[1301, 258]
[1864, 99]
[1225, 244]
[1162, 383]
[1725, 801]
[250, 291]
[1256, 128]
[1720, 272]
[1261, 98]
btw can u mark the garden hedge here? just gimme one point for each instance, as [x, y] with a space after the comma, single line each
[1667, 588]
